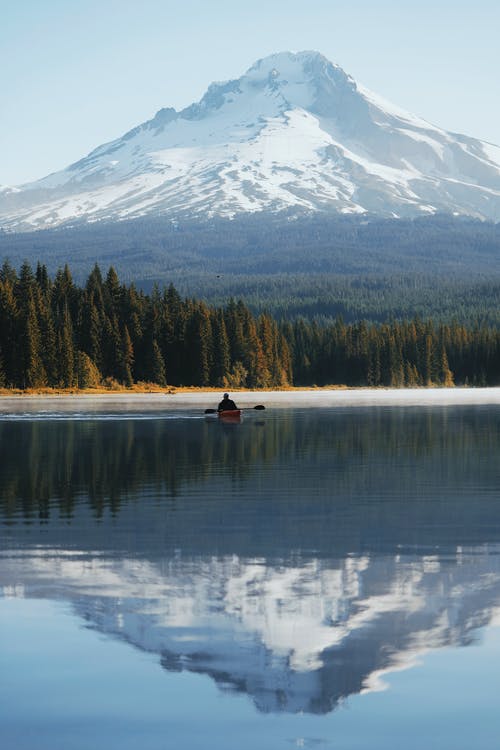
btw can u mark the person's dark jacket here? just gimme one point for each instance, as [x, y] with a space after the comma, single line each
[227, 405]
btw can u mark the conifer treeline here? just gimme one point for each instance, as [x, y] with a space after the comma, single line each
[53, 333]
[413, 353]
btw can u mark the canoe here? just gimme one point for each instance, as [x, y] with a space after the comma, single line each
[230, 415]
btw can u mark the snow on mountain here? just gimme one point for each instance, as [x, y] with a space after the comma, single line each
[295, 638]
[295, 132]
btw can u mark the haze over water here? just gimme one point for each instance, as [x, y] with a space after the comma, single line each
[307, 578]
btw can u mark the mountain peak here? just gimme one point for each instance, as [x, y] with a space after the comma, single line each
[289, 72]
[295, 77]
[285, 63]
[294, 132]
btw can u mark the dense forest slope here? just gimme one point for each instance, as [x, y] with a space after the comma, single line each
[442, 267]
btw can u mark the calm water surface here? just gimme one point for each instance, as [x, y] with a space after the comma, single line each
[307, 578]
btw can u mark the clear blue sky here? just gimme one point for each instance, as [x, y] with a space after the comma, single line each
[77, 73]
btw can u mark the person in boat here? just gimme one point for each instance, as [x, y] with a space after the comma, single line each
[227, 404]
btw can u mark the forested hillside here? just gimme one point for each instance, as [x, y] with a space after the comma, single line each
[55, 333]
[378, 270]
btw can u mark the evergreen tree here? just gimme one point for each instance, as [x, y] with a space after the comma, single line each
[94, 288]
[8, 274]
[445, 374]
[396, 365]
[222, 356]
[411, 375]
[285, 374]
[237, 377]
[373, 377]
[66, 351]
[88, 376]
[233, 319]
[171, 336]
[126, 358]
[94, 332]
[134, 312]
[3, 380]
[42, 278]
[33, 373]
[64, 294]
[264, 366]
[199, 346]
[9, 339]
[428, 364]
[113, 293]
[112, 349]
[49, 341]
[158, 372]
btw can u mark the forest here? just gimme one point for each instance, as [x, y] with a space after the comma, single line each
[316, 267]
[55, 333]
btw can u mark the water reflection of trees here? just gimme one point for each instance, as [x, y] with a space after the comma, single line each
[360, 470]
[54, 464]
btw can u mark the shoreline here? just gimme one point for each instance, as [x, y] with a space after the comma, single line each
[208, 398]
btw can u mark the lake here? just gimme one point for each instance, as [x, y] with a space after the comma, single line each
[307, 578]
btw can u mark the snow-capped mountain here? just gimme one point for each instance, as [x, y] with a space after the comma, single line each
[295, 132]
[296, 638]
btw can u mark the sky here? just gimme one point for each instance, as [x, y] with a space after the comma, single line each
[77, 73]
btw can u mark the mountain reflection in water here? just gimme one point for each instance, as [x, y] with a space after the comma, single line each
[295, 558]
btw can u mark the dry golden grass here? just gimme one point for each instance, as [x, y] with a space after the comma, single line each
[115, 387]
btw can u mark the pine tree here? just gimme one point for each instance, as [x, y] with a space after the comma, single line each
[446, 375]
[95, 335]
[236, 377]
[3, 380]
[88, 376]
[126, 358]
[411, 375]
[8, 273]
[111, 348]
[158, 373]
[133, 315]
[42, 278]
[49, 341]
[113, 293]
[33, 373]
[263, 356]
[397, 374]
[373, 370]
[233, 318]
[302, 360]
[199, 345]
[66, 351]
[428, 365]
[64, 294]
[94, 288]
[285, 371]
[9, 339]
[222, 357]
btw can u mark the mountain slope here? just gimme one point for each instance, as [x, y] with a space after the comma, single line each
[293, 133]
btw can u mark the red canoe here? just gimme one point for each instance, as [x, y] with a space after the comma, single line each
[231, 415]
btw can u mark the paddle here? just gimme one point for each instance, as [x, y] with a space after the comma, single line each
[259, 407]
